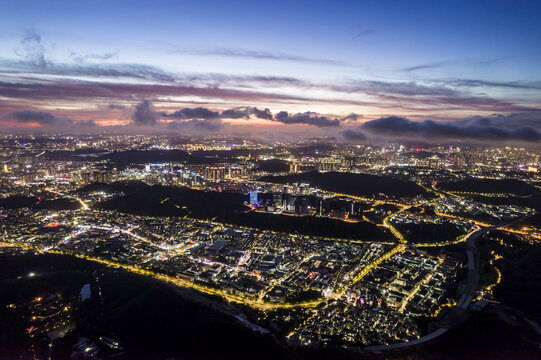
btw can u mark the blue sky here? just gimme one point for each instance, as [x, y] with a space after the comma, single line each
[440, 60]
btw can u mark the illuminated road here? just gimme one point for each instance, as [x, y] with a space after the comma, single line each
[191, 285]
[83, 204]
[141, 238]
[367, 269]
[394, 231]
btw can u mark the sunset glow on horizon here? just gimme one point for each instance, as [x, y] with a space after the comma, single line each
[325, 66]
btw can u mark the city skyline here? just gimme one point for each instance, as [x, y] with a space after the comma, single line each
[355, 71]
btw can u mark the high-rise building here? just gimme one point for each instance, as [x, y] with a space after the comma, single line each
[102, 176]
[294, 168]
[277, 199]
[253, 198]
[85, 177]
[214, 173]
[328, 164]
[235, 172]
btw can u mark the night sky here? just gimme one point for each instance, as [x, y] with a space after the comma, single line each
[356, 70]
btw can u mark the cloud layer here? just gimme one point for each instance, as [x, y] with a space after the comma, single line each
[201, 115]
[353, 135]
[144, 114]
[309, 118]
[36, 76]
[261, 55]
[95, 86]
[474, 129]
[44, 119]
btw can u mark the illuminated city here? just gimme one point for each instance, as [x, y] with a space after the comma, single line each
[237, 221]
[207, 198]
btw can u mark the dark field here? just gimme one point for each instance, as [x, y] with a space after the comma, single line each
[15, 202]
[531, 201]
[142, 156]
[352, 184]
[429, 233]
[521, 279]
[491, 186]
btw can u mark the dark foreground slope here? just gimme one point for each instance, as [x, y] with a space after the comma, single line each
[152, 320]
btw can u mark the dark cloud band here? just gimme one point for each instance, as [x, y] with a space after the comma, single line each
[429, 129]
